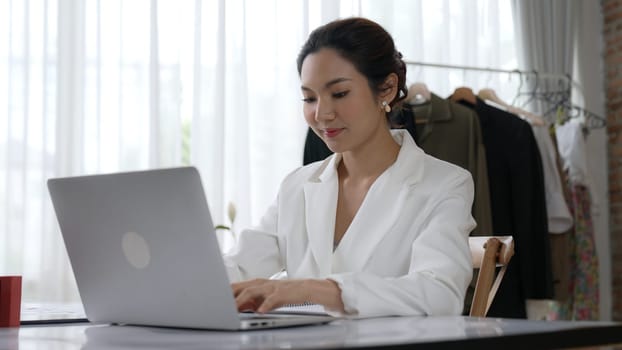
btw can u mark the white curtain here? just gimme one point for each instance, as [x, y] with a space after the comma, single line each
[546, 32]
[473, 33]
[94, 86]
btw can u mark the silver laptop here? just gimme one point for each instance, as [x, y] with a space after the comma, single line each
[144, 251]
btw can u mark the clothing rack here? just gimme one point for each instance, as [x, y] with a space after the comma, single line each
[534, 73]
[592, 120]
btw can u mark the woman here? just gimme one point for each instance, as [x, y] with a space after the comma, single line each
[378, 228]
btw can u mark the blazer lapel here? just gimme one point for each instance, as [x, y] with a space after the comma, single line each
[382, 205]
[320, 206]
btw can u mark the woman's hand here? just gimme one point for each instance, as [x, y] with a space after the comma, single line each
[263, 295]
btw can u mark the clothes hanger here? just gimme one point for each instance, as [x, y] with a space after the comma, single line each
[566, 111]
[518, 90]
[418, 93]
[463, 93]
[532, 94]
[490, 95]
[592, 120]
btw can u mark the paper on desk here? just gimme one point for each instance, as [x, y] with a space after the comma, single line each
[305, 309]
[51, 311]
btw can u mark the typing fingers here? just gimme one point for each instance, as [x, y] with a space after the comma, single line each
[239, 287]
[251, 297]
[271, 302]
[267, 295]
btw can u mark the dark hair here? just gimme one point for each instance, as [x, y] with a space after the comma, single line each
[367, 45]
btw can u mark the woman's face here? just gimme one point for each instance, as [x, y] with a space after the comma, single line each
[338, 103]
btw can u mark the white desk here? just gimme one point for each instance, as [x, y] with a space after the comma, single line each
[398, 332]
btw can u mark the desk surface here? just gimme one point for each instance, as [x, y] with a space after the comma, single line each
[398, 332]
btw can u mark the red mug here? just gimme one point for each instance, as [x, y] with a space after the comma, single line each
[10, 300]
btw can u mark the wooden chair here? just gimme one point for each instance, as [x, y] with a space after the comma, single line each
[488, 253]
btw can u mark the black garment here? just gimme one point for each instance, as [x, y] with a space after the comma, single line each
[404, 118]
[518, 208]
[316, 149]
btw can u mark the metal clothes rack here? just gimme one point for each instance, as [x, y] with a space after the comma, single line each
[592, 120]
[496, 70]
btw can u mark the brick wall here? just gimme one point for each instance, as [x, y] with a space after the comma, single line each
[612, 14]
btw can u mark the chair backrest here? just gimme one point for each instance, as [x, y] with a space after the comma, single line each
[488, 253]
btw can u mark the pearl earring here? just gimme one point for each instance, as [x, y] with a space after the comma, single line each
[386, 106]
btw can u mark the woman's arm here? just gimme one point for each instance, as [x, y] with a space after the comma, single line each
[262, 295]
[257, 254]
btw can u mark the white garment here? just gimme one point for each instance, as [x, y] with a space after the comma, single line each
[559, 217]
[573, 152]
[406, 251]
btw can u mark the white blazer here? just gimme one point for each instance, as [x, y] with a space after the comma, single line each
[406, 251]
